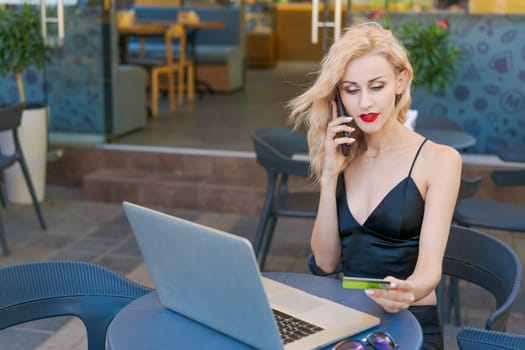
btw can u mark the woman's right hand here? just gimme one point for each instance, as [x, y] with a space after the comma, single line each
[333, 155]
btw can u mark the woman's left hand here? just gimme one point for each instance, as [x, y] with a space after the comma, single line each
[399, 297]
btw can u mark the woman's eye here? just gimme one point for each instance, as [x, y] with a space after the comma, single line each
[377, 87]
[352, 91]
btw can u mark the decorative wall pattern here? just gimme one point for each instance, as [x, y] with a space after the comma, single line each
[488, 96]
[72, 85]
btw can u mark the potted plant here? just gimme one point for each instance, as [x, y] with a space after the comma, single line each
[433, 58]
[22, 46]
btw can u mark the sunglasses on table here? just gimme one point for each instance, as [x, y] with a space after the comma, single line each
[376, 340]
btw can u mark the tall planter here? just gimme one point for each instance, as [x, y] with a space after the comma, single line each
[22, 46]
[34, 139]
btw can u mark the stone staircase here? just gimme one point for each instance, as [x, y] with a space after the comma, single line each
[207, 181]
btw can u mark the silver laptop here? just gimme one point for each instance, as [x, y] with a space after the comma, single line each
[213, 278]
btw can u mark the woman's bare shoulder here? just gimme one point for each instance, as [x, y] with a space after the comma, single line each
[440, 157]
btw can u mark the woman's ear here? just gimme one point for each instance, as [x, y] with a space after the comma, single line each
[402, 79]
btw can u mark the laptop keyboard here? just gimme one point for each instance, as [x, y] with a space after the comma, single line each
[292, 328]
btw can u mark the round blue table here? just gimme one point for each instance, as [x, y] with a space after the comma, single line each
[456, 139]
[146, 324]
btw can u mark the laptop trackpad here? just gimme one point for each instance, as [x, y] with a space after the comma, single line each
[296, 301]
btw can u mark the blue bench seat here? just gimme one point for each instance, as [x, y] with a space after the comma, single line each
[219, 53]
[204, 54]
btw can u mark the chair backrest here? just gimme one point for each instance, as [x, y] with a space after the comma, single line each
[437, 122]
[510, 177]
[36, 290]
[175, 32]
[470, 338]
[11, 116]
[275, 146]
[514, 153]
[485, 261]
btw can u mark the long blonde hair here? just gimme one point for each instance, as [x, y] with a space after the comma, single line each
[313, 107]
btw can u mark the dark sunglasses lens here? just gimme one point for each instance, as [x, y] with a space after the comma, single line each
[350, 344]
[381, 341]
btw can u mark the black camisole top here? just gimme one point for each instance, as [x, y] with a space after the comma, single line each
[388, 241]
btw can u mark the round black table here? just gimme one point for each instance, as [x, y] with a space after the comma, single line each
[146, 324]
[456, 139]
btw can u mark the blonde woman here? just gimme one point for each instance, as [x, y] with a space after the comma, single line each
[385, 209]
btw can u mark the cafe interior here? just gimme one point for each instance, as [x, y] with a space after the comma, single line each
[166, 103]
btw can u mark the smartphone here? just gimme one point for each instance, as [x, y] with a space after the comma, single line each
[345, 147]
[365, 283]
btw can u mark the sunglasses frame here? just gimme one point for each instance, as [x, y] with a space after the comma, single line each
[367, 342]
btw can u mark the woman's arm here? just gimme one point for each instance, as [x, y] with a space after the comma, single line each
[325, 241]
[444, 177]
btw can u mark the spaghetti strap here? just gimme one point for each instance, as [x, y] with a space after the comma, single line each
[417, 154]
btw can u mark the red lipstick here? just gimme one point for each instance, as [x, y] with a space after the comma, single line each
[369, 117]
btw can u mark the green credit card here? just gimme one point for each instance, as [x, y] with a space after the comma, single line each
[365, 283]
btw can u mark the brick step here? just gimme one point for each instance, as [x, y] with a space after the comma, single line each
[164, 189]
[226, 183]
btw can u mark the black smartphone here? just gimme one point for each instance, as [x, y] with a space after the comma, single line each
[345, 147]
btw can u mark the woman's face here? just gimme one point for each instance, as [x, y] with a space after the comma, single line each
[368, 91]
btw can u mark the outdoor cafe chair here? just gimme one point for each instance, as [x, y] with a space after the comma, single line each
[493, 214]
[478, 258]
[182, 67]
[10, 119]
[37, 290]
[437, 122]
[470, 338]
[274, 148]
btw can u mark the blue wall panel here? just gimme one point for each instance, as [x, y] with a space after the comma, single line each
[488, 96]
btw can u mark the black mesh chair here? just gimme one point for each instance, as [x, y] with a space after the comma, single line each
[10, 118]
[470, 338]
[492, 214]
[477, 258]
[275, 147]
[487, 262]
[37, 290]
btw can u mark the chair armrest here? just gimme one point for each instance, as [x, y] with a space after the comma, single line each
[481, 339]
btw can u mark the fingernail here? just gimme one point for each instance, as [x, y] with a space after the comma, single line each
[349, 118]
[369, 292]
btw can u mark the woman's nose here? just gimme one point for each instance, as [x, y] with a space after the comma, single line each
[366, 101]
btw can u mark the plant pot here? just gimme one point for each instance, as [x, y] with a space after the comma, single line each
[33, 135]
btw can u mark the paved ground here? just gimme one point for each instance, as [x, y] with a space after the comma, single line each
[99, 233]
